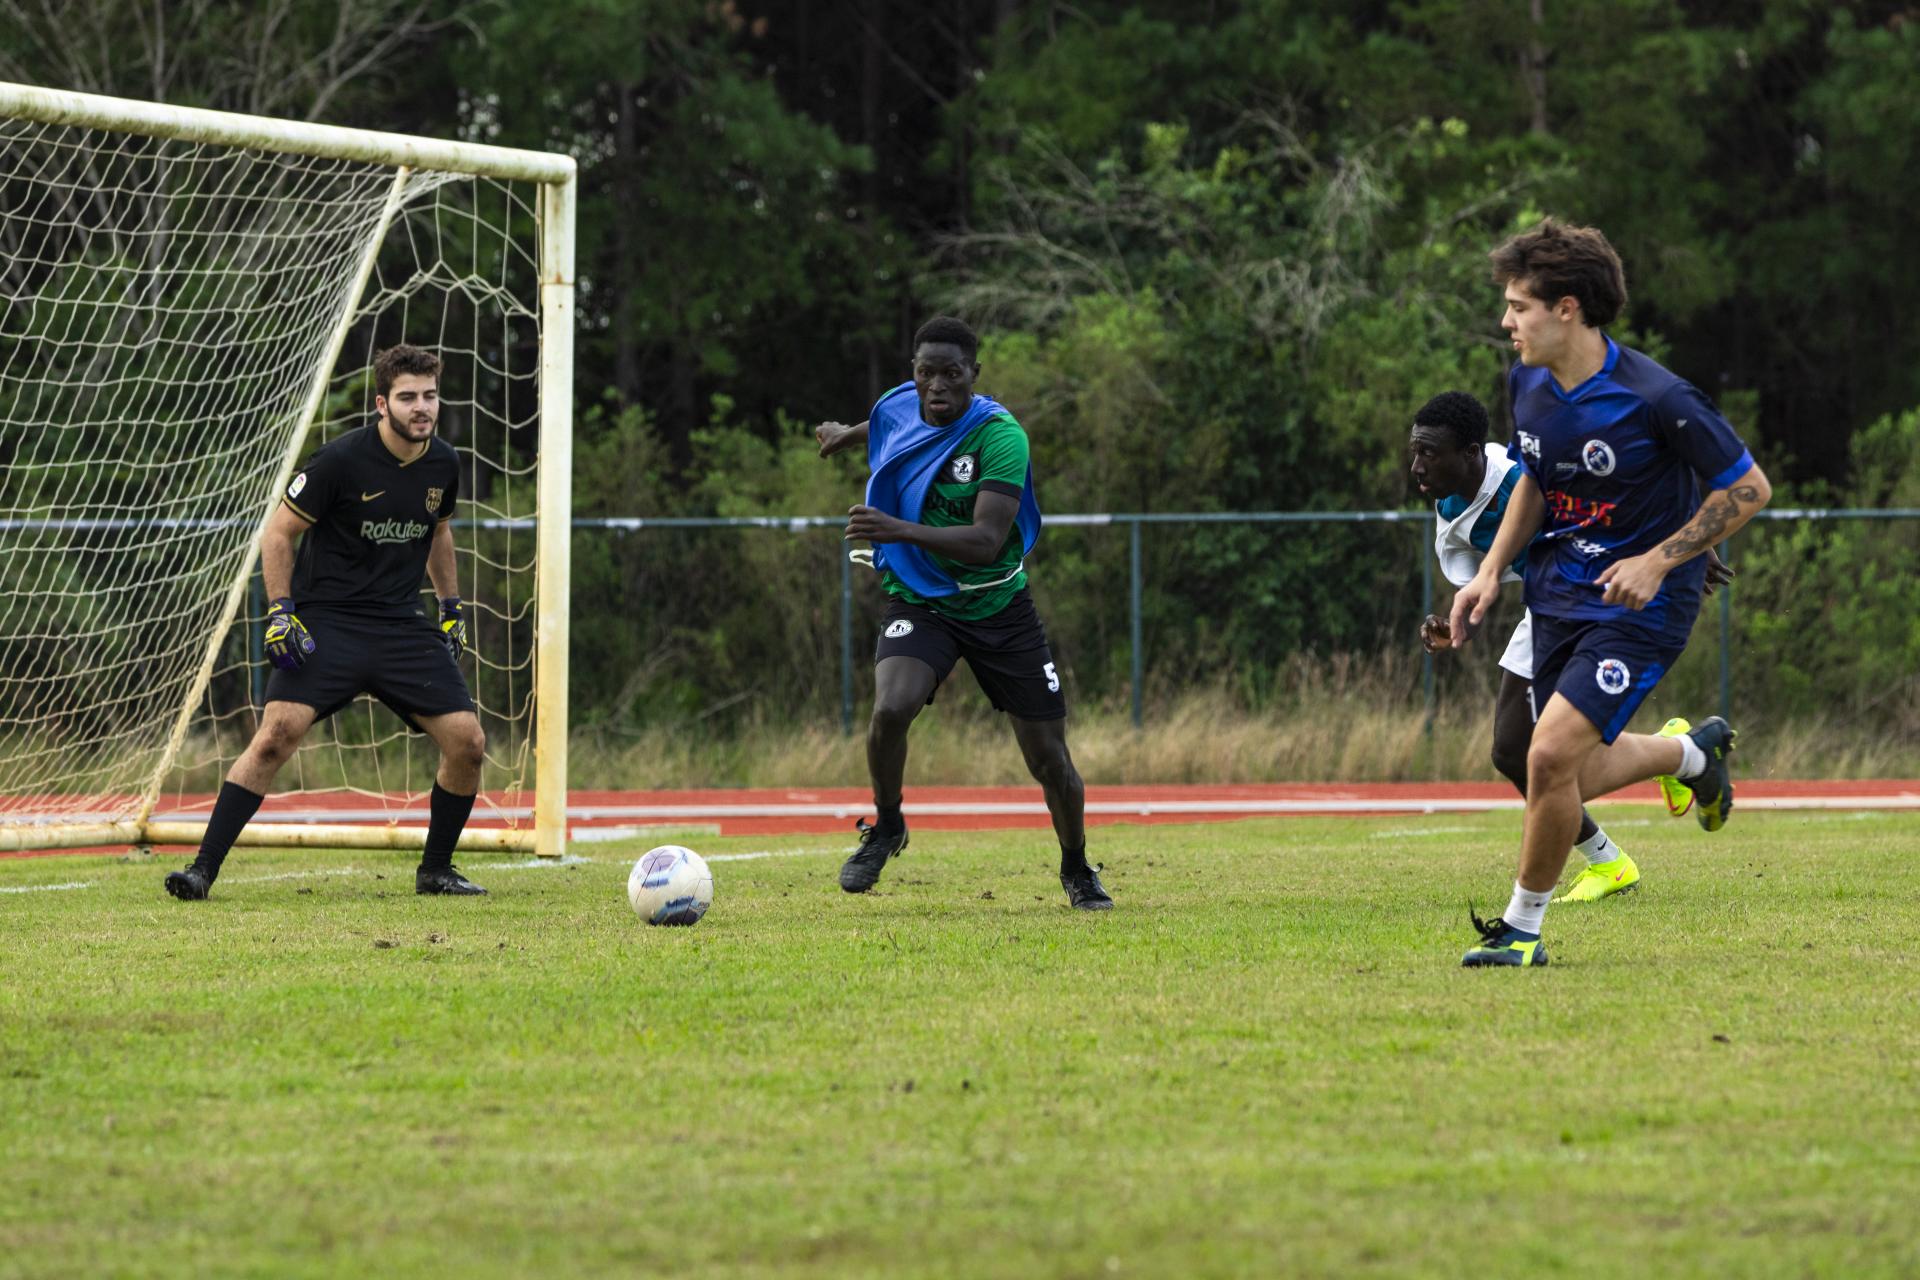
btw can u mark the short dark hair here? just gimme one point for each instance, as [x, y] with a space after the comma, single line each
[1460, 415]
[402, 359]
[1555, 261]
[949, 329]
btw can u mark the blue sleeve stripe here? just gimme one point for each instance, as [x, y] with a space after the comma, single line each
[1732, 473]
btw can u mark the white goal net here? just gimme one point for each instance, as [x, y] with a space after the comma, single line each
[187, 313]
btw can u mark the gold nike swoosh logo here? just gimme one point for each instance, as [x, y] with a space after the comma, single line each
[369, 497]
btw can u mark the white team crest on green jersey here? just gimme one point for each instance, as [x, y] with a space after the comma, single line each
[963, 468]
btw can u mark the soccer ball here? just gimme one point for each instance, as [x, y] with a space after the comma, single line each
[670, 885]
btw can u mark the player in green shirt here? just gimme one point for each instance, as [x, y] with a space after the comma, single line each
[967, 527]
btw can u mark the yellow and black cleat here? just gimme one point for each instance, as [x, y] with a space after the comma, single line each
[1713, 790]
[1502, 944]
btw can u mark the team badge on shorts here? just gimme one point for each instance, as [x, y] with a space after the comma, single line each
[1598, 457]
[963, 468]
[433, 501]
[1612, 676]
[897, 628]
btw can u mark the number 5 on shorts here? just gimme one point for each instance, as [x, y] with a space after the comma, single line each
[1053, 678]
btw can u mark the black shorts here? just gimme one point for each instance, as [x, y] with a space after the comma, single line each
[402, 661]
[1604, 668]
[1008, 653]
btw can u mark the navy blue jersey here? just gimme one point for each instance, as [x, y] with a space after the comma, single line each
[1622, 461]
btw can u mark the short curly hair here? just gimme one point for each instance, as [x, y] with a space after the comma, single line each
[1555, 261]
[1458, 414]
[949, 329]
[402, 359]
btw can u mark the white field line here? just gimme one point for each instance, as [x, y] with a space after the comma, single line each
[770, 853]
[47, 888]
[296, 875]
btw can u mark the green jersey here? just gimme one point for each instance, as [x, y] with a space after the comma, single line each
[992, 457]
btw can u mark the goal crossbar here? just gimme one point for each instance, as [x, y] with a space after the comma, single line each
[197, 124]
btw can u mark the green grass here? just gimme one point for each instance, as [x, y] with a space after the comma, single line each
[1265, 1062]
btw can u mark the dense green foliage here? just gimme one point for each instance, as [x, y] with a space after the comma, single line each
[1219, 251]
[1265, 1062]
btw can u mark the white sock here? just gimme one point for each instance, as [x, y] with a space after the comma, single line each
[1526, 909]
[1693, 761]
[1598, 848]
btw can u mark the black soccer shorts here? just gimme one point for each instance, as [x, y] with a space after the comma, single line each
[1008, 653]
[403, 661]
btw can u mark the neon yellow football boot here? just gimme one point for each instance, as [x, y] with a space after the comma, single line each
[1677, 794]
[1599, 880]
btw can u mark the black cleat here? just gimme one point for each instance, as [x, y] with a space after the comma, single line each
[862, 871]
[444, 880]
[189, 885]
[1713, 790]
[1084, 890]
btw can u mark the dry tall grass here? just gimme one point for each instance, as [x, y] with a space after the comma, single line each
[1335, 721]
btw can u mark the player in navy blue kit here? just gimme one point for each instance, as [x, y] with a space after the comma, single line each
[370, 513]
[1617, 453]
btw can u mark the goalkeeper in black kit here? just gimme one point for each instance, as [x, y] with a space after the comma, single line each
[342, 558]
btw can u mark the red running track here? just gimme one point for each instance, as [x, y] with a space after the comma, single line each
[798, 810]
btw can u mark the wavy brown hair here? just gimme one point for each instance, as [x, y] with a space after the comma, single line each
[1555, 261]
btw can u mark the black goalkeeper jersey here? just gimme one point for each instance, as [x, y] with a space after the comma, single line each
[373, 519]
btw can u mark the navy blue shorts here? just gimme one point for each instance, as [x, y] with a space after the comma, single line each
[1606, 669]
[403, 661]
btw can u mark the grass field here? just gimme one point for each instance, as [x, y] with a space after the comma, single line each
[1266, 1062]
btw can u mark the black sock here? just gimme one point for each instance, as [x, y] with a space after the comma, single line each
[1073, 859]
[1588, 828]
[231, 814]
[448, 820]
[887, 817]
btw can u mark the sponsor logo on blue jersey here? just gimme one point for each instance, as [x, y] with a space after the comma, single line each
[1618, 476]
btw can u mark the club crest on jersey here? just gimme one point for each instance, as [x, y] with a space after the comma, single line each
[897, 628]
[1597, 457]
[1612, 676]
[433, 501]
[962, 468]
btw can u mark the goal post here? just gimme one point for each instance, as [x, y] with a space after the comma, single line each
[189, 305]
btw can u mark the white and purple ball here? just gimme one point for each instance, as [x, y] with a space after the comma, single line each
[670, 885]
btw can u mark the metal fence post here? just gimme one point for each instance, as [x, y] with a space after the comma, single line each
[1426, 607]
[1133, 611]
[846, 644]
[1726, 638]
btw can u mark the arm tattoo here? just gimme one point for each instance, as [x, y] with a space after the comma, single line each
[1709, 524]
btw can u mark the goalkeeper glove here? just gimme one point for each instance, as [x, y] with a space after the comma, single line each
[453, 626]
[288, 641]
